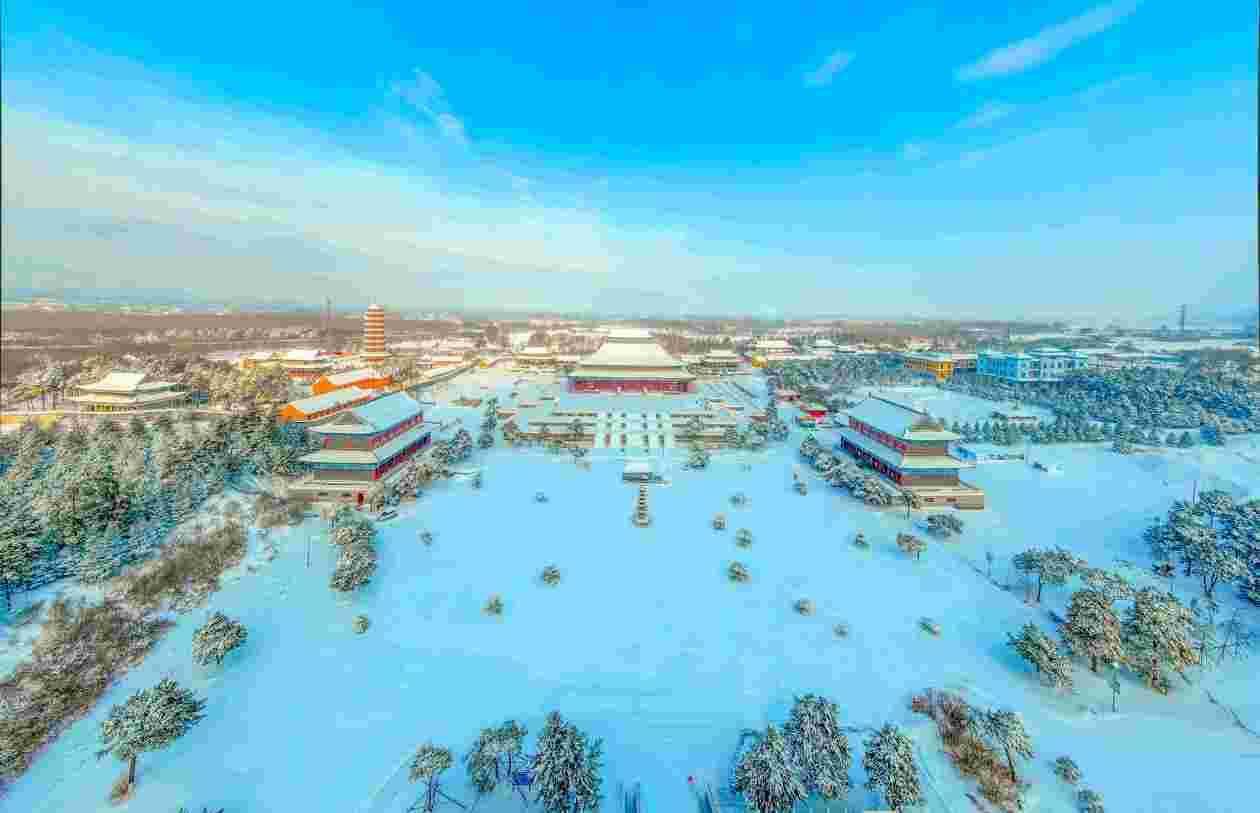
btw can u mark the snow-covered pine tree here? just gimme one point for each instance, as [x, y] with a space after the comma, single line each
[891, 769]
[494, 755]
[427, 765]
[1092, 630]
[18, 531]
[216, 638]
[768, 777]
[1043, 653]
[819, 747]
[566, 768]
[1157, 633]
[355, 566]
[1005, 729]
[97, 561]
[149, 720]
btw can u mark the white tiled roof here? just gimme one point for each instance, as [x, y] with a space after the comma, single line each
[897, 420]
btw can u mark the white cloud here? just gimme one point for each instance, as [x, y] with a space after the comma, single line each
[424, 94]
[1047, 43]
[989, 113]
[827, 71]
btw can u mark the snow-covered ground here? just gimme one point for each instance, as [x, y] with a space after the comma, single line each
[647, 644]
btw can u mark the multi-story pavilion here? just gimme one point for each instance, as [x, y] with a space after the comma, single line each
[362, 446]
[126, 392]
[910, 448]
[631, 361]
[717, 362]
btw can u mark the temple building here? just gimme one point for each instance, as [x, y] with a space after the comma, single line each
[127, 392]
[716, 362]
[374, 351]
[362, 446]
[363, 378]
[910, 448]
[319, 408]
[535, 357]
[631, 361]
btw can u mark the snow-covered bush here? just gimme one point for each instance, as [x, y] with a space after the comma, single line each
[911, 545]
[841, 630]
[361, 624]
[1065, 768]
[719, 522]
[1089, 801]
[944, 525]
[744, 538]
[738, 572]
[550, 575]
[803, 606]
[739, 498]
[355, 567]
[493, 606]
[928, 625]
[217, 637]
[860, 540]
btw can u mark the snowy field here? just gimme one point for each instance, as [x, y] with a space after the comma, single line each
[646, 644]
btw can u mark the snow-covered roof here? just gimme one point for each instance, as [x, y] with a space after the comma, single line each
[304, 354]
[120, 382]
[367, 457]
[638, 467]
[375, 416]
[535, 350]
[625, 353]
[630, 334]
[899, 420]
[329, 400]
[354, 376]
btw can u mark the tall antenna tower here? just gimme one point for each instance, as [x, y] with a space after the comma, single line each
[1183, 320]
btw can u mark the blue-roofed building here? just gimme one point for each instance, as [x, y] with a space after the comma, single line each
[362, 446]
[1041, 364]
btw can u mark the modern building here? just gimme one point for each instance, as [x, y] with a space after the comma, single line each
[631, 361]
[374, 351]
[362, 446]
[1042, 364]
[910, 448]
[126, 392]
[940, 366]
[364, 378]
[319, 408]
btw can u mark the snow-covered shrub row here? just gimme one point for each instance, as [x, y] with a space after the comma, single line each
[74, 501]
[983, 744]
[79, 652]
[1143, 399]
[186, 571]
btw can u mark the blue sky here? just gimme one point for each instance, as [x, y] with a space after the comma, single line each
[948, 159]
